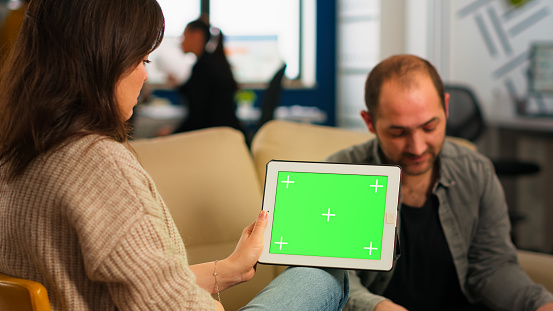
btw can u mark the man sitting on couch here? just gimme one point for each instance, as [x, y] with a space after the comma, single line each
[453, 225]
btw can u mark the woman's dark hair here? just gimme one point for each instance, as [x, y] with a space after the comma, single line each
[59, 80]
[213, 42]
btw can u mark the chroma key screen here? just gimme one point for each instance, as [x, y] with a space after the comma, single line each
[329, 215]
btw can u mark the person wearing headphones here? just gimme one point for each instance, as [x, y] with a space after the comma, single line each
[209, 92]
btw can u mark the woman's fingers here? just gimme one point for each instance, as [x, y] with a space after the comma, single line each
[260, 225]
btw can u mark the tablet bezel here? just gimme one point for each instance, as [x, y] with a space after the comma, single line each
[393, 172]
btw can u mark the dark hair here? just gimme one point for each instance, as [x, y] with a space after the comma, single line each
[213, 42]
[59, 80]
[200, 25]
[401, 67]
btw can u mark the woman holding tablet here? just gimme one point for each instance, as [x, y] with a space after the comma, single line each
[78, 213]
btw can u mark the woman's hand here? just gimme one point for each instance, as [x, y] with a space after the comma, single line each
[248, 249]
[239, 266]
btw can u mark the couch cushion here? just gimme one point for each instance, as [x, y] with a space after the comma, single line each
[285, 140]
[208, 180]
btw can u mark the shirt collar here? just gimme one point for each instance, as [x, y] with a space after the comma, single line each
[445, 177]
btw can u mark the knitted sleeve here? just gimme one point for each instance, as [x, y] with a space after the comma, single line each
[127, 236]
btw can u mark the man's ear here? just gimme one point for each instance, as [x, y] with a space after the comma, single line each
[368, 121]
[446, 104]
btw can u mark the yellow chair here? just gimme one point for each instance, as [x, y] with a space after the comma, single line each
[22, 295]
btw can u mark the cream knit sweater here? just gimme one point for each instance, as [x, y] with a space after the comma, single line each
[88, 223]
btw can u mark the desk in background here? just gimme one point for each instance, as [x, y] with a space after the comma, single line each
[527, 138]
[150, 118]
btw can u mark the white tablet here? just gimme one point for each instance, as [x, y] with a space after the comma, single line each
[331, 215]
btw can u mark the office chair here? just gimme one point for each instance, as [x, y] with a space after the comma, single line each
[22, 295]
[272, 97]
[466, 121]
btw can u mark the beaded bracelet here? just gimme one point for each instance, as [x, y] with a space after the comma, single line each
[216, 284]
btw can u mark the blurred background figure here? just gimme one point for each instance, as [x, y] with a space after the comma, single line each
[10, 29]
[209, 91]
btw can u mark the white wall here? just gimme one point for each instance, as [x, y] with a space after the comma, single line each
[392, 31]
[358, 51]
[482, 43]
[489, 45]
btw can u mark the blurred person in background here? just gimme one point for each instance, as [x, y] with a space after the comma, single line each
[209, 91]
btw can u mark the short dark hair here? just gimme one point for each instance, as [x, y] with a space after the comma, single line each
[401, 67]
[199, 24]
[59, 80]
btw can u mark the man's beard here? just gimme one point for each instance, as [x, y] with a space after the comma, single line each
[406, 167]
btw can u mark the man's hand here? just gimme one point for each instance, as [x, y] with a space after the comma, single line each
[387, 305]
[546, 307]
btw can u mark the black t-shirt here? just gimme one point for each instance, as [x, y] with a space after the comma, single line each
[425, 277]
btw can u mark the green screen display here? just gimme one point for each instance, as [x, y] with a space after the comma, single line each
[329, 215]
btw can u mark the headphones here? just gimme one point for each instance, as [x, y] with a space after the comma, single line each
[213, 41]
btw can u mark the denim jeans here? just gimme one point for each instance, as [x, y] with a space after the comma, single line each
[303, 289]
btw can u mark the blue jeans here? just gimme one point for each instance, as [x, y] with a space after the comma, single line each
[303, 289]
